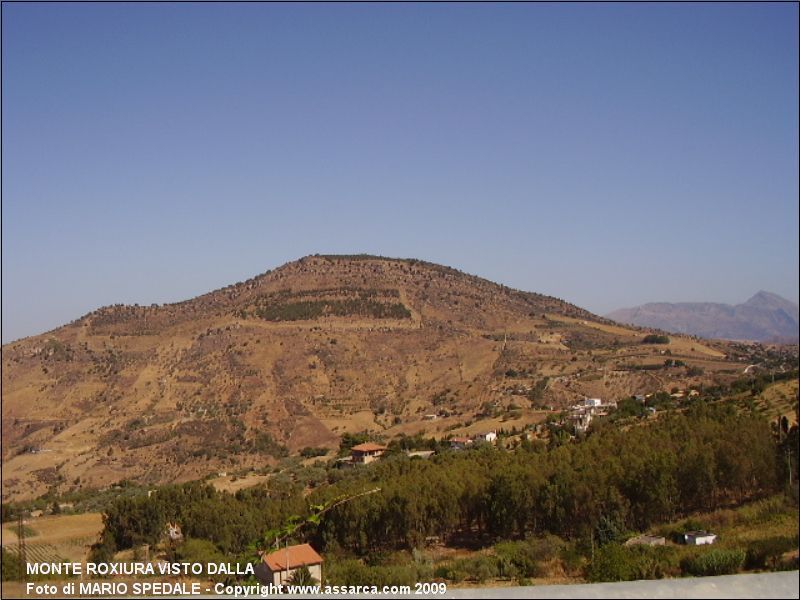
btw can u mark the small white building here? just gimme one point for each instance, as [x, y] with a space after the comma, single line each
[699, 538]
[581, 421]
[490, 437]
[593, 402]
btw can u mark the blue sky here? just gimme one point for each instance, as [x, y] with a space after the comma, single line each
[606, 154]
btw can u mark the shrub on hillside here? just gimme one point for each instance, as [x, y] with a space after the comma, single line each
[311, 452]
[525, 558]
[353, 572]
[12, 566]
[614, 562]
[768, 553]
[714, 562]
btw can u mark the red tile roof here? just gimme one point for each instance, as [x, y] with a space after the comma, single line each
[368, 447]
[298, 556]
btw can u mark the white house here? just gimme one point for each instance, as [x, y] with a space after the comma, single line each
[593, 402]
[490, 437]
[581, 420]
[278, 567]
[366, 453]
[699, 538]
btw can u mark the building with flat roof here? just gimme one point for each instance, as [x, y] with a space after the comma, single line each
[366, 453]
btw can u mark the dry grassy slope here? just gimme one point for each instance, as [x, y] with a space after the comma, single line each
[178, 391]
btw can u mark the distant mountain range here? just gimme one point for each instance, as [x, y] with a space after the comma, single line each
[765, 317]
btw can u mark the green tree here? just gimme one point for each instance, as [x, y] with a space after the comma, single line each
[302, 576]
[12, 566]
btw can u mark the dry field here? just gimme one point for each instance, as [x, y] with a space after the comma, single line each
[779, 399]
[56, 537]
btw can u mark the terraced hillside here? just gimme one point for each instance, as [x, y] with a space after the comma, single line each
[299, 355]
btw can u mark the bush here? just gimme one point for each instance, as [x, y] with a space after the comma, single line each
[103, 551]
[302, 576]
[572, 559]
[655, 562]
[612, 562]
[310, 452]
[266, 444]
[199, 551]
[768, 553]
[12, 566]
[525, 558]
[344, 572]
[619, 563]
[353, 572]
[714, 562]
[655, 339]
[477, 568]
[515, 558]
[483, 569]
[9, 513]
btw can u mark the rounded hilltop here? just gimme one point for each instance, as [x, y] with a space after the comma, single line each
[299, 356]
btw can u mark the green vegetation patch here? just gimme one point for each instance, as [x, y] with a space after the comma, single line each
[314, 309]
[717, 561]
[614, 562]
[337, 302]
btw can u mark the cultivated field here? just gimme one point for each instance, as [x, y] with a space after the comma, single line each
[54, 537]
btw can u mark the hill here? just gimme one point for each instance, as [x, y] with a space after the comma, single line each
[297, 356]
[765, 317]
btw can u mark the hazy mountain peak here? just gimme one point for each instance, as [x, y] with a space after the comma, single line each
[764, 317]
[770, 300]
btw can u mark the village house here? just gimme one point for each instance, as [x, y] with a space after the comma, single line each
[459, 443]
[278, 567]
[489, 437]
[366, 453]
[581, 420]
[583, 413]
